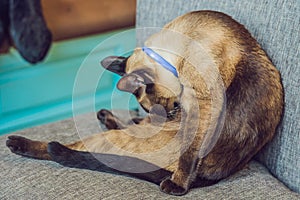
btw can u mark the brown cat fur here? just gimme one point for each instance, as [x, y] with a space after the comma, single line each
[252, 106]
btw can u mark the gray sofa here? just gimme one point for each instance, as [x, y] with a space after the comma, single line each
[274, 174]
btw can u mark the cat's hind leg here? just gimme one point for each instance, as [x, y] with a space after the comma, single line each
[28, 148]
[68, 157]
[95, 161]
[35, 149]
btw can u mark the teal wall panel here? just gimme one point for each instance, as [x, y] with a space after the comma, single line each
[36, 94]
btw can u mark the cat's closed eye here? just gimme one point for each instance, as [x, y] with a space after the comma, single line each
[176, 104]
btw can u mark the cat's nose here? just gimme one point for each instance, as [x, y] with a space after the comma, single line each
[158, 109]
[158, 114]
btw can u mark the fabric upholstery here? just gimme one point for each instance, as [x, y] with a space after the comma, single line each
[24, 178]
[275, 24]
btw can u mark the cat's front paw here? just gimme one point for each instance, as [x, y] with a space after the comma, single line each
[169, 187]
[108, 119]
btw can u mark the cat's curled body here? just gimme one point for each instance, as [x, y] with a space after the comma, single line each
[249, 97]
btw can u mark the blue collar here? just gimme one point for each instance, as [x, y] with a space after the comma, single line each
[156, 57]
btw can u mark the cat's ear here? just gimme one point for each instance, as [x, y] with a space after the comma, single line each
[130, 83]
[116, 64]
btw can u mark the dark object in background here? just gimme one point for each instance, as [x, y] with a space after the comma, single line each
[3, 20]
[1, 32]
[27, 28]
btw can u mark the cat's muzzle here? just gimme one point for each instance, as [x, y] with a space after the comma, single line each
[172, 113]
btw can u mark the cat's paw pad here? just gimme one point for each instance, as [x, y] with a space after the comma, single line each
[17, 144]
[169, 187]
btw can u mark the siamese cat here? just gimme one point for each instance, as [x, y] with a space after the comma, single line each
[214, 98]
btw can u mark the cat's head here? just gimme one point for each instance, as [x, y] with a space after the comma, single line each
[147, 80]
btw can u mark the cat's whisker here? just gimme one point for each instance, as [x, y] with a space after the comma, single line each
[172, 113]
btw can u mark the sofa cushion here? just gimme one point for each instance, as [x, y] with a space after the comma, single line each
[24, 178]
[275, 24]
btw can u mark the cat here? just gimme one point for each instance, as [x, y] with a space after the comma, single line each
[217, 105]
